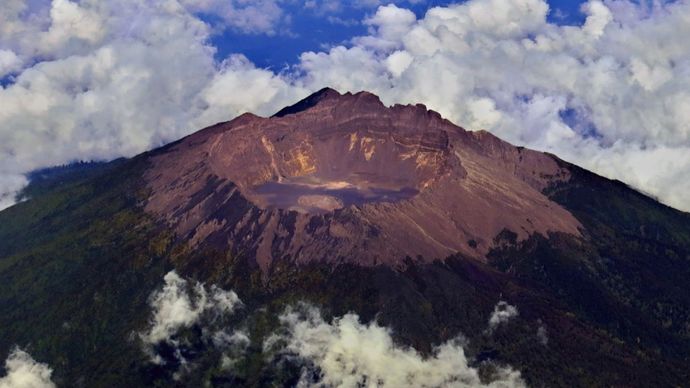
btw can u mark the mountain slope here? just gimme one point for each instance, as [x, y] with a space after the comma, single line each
[595, 267]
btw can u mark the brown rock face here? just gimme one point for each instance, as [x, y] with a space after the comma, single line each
[343, 178]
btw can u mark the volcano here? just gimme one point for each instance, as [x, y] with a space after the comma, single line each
[343, 178]
[356, 218]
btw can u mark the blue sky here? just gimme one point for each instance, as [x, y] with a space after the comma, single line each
[311, 30]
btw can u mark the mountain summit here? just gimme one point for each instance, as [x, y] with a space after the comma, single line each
[337, 243]
[343, 178]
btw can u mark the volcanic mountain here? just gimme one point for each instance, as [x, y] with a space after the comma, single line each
[119, 273]
[343, 178]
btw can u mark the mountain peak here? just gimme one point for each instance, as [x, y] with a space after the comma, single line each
[331, 96]
[309, 101]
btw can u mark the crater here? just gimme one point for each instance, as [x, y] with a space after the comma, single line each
[322, 197]
[316, 163]
[320, 173]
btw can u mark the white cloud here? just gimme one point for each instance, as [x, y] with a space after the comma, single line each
[70, 21]
[599, 17]
[9, 62]
[234, 346]
[48, 30]
[251, 17]
[347, 353]
[24, 372]
[391, 22]
[398, 62]
[610, 95]
[11, 186]
[503, 313]
[180, 305]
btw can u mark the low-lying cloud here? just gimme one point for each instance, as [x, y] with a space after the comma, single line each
[610, 94]
[347, 353]
[502, 313]
[24, 372]
[340, 353]
[180, 304]
[11, 185]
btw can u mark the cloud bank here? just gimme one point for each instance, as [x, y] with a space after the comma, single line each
[97, 80]
[24, 372]
[347, 353]
[341, 353]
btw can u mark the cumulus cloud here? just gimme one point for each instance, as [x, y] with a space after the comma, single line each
[610, 94]
[24, 372]
[503, 312]
[181, 304]
[239, 86]
[9, 62]
[347, 353]
[11, 185]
